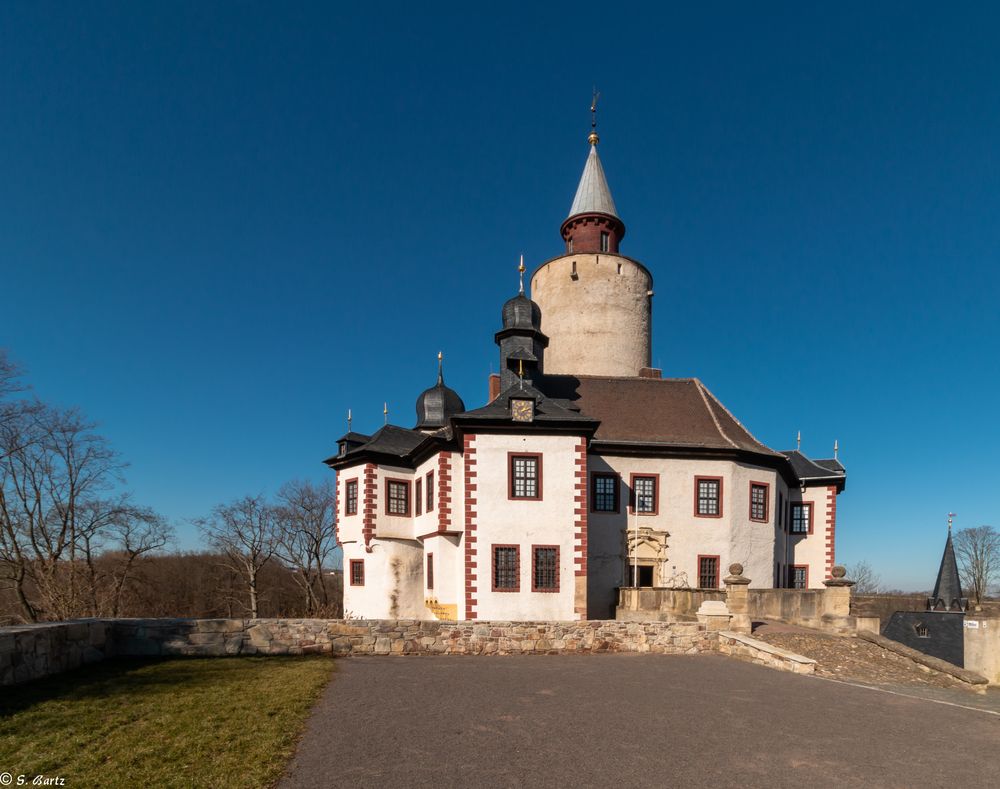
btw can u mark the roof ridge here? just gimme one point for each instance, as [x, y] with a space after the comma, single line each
[702, 390]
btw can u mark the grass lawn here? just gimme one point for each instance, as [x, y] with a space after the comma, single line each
[181, 722]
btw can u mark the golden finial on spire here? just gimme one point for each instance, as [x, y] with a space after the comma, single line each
[520, 270]
[951, 517]
[349, 420]
[385, 413]
[593, 139]
[440, 368]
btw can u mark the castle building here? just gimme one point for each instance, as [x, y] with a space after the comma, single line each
[586, 471]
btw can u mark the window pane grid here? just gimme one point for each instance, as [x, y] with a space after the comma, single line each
[800, 518]
[645, 494]
[605, 493]
[417, 496]
[430, 491]
[505, 568]
[758, 502]
[546, 569]
[708, 497]
[799, 577]
[525, 477]
[357, 572]
[399, 495]
[352, 498]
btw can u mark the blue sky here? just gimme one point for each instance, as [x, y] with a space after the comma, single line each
[223, 224]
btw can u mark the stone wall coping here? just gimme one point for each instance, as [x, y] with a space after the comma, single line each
[963, 674]
[763, 646]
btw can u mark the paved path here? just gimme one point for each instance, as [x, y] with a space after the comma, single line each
[625, 720]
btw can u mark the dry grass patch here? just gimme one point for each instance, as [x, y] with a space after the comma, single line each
[183, 722]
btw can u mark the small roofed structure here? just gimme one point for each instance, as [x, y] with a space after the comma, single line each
[947, 595]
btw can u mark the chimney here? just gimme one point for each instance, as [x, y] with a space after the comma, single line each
[494, 386]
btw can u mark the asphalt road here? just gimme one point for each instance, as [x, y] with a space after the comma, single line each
[626, 720]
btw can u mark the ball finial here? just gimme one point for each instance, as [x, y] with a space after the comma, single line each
[593, 139]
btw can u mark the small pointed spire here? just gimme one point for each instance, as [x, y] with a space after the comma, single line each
[520, 274]
[385, 413]
[440, 369]
[836, 448]
[349, 419]
[798, 440]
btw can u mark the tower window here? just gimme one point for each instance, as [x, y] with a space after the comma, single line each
[802, 517]
[351, 497]
[525, 476]
[506, 568]
[708, 497]
[605, 242]
[708, 572]
[758, 501]
[430, 491]
[357, 572]
[644, 494]
[418, 498]
[573, 273]
[619, 268]
[397, 498]
[569, 246]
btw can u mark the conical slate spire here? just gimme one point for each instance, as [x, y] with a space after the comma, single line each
[947, 594]
[593, 195]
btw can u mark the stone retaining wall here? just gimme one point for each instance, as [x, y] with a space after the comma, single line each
[33, 651]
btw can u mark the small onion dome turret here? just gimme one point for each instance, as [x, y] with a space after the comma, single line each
[521, 312]
[437, 404]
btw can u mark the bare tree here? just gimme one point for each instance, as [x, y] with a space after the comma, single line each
[866, 580]
[306, 536]
[978, 553]
[244, 533]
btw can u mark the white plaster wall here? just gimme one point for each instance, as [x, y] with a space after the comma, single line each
[598, 323]
[811, 549]
[449, 566]
[394, 580]
[349, 526]
[733, 537]
[551, 521]
[393, 525]
[426, 521]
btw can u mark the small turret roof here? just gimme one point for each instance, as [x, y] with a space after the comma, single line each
[593, 194]
[948, 587]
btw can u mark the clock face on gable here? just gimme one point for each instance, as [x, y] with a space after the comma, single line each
[522, 410]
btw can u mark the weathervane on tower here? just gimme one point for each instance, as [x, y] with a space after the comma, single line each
[951, 517]
[593, 139]
[520, 274]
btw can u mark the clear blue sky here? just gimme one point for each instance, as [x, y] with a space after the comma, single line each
[223, 224]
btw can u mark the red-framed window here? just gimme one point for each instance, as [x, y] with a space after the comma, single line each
[418, 497]
[351, 497]
[708, 572]
[525, 476]
[645, 494]
[604, 490]
[430, 571]
[506, 571]
[800, 576]
[397, 497]
[708, 497]
[357, 572]
[801, 521]
[760, 493]
[544, 568]
[429, 485]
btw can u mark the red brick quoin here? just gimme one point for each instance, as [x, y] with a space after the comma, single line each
[368, 519]
[471, 553]
[831, 528]
[444, 491]
[580, 535]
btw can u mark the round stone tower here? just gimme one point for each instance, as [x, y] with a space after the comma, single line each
[596, 304]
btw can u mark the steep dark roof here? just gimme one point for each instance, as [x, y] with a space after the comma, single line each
[678, 412]
[947, 593]
[436, 405]
[809, 470]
